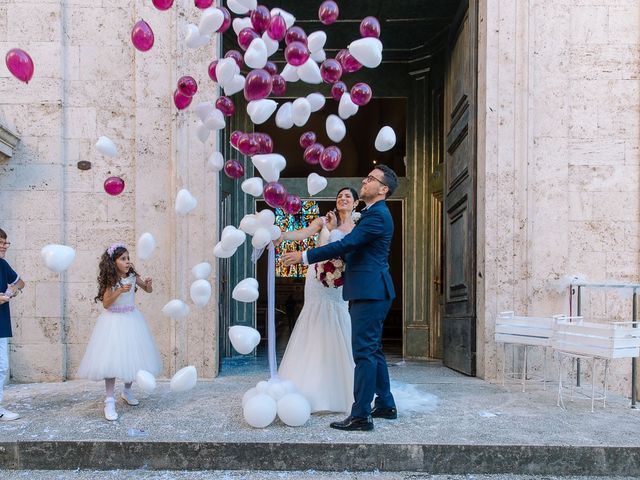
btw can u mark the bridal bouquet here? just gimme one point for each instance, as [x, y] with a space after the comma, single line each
[329, 273]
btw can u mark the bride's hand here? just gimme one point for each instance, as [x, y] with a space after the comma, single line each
[332, 221]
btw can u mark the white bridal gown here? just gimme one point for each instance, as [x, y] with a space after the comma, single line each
[318, 358]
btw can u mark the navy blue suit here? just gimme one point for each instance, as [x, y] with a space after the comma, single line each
[369, 289]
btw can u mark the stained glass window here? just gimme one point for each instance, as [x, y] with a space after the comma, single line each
[287, 222]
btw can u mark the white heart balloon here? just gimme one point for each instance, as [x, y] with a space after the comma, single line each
[185, 202]
[202, 270]
[234, 86]
[265, 218]
[231, 237]
[245, 291]
[316, 183]
[204, 109]
[146, 381]
[284, 116]
[106, 147]
[260, 410]
[250, 4]
[290, 73]
[261, 238]
[249, 223]
[253, 186]
[300, 111]
[244, 339]
[336, 129]
[386, 139]
[146, 245]
[346, 107]
[216, 161]
[316, 41]
[210, 21]
[220, 252]
[289, 19]
[240, 23]
[176, 308]
[368, 51]
[319, 56]
[193, 38]
[184, 379]
[226, 69]
[309, 72]
[203, 132]
[256, 55]
[272, 45]
[236, 7]
[269, 165]
[215, 120]
[260, 110]
[316, 100]
[200, 292]
[294, 409]
[57, 258]
[275, 232]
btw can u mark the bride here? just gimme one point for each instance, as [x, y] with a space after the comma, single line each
[318, 358]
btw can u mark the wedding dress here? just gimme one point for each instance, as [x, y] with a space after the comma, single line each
[318, 358]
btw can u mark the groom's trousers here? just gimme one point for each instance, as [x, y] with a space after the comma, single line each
[371, 373]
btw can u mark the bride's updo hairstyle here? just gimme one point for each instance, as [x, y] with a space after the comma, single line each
[354, 194]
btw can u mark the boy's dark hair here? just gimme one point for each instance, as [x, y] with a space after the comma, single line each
[3, 234]
[390, 178]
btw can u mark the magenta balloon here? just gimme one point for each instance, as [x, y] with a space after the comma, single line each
[257, 85]
[328, 12]
[295, 34]
[292, 204]
[349, 63]
[271, 68]
[337, 90]
[212, 70]
[187, 85]
[331, 70]
[260, 18]
[142, 36]
[248, 144]
[296, 53]
[370, 27]
[226, 106]
[307, 139]
[246, 36]
[361, 94]
[265, 142]
[19, 64]
[330, 158]
[237, 56]
[277, 28]
[163, 4]
[234, 137]
[312, 153]
[278, 85]
[114, 185]
[202, 4]
[233, 169]
[274, 194]
[226, 23]
[181, 101]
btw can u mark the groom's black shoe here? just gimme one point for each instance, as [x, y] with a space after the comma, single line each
[388, 413]
[354, 423]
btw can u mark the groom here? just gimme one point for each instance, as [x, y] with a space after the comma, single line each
[369, 289]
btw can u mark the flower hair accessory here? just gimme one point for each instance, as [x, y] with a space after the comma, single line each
[355, 216]
[114, 247]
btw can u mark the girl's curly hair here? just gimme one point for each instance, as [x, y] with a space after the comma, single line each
[108, 272]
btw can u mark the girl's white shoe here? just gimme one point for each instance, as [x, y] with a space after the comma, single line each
[7, 416]
[127, 396]
[110, 409]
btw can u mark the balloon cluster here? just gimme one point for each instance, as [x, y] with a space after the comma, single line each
[263, 402]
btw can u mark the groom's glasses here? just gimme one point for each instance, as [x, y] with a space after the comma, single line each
[371, 178]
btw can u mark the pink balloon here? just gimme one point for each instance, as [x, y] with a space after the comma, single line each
[312, 153]
[114, 185]
[237, 56]
[142, 36]
[296, 53]
[277, 28]
[19, 64]
[370, 27]
[292, 204]
[226, 23]
[337, 90]
[226, 106]
[348, 62]
[234, 137]
[257, 85]
[361, 94]
[271, 68]
[233, 169]
[163, 4]
[328, 12]
[181, 101]
[330, 158]
[187, 85]
[212, 70]
[278, 85]
[274, 194]
[248, 144]
[202, 4]
[295, 34]
[331, 70]
[307, 139]
[265, 142]
[260, 18]
[246, 36]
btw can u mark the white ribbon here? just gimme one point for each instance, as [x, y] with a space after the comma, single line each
[271, 305]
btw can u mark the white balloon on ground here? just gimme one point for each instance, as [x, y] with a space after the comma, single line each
[203, 132]
[260, 410]
[57, 258]
[231, 237]
[284, 116]
[185, 202]
[176, 308]
[262, 386]
[216, 161]
[367, 51]
[220, 252]
[271, 44]
[260, 110]
[261, 238]
[319, 56]
[269, 165]
[145, 246]
[386, 139]
[256, 55]
[290, 73]
[253, 186]
[236, 8]
[184, 379]
[193, 38]
[309, 72]
[316, 100]
[226, 69]
[210, 21]
[336, 129]
[146, 381]
[316, 41]
[234, 86]
[300, 111]
[276, 391]
[240, 23]
[200, 292]
[316, 183]
[252, 392]
[204, 109]
[215, 120]
[289, 19]
[346, 107]
[294, 409]
[106, 146]
[289, 386]
[246, 291]
[244, 339]
[202, 270]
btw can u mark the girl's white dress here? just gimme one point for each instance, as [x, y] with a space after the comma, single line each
[121, 343]
[318, 358]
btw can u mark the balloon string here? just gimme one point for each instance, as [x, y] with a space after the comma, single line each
[271, 305]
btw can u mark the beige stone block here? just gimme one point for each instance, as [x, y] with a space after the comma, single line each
[632, 151]
[28, 206]
[3, 22]
[37, 330]
[85, 268]
[86, 207]
[109, 25]
[623, 266]
[36, 362]
[105, 61]
[40, 24]
[624, 23]
[584, 151]
[29, 119]
[598, 236]
[48, 300]
[604, 178]
[79, 298]
[81, 122]
[606, 61]
[32, 177]
[617, 206]
[580, 205]
[24, 305]
[116, 124]
[45, 90]
[78, 329]
[589, 24]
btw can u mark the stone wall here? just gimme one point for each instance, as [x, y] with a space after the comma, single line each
[90, 81]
